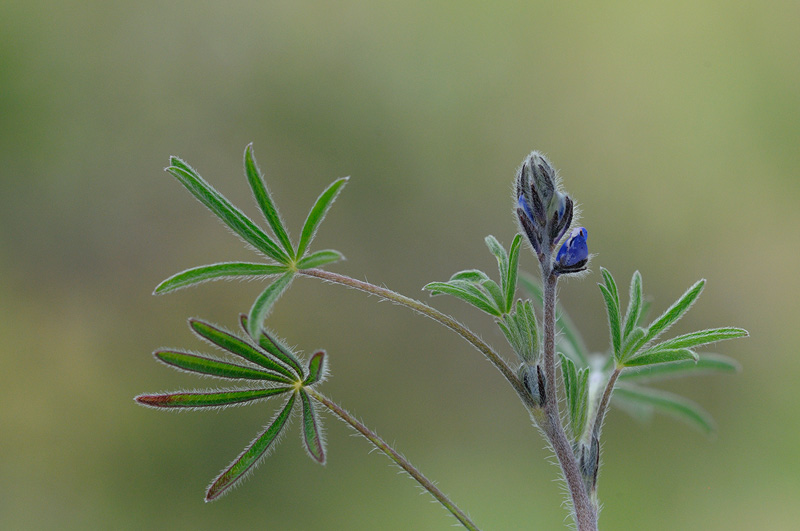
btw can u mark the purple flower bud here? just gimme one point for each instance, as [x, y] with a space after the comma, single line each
[574, 253]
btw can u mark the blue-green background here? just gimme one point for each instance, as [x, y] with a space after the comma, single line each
[675, 125]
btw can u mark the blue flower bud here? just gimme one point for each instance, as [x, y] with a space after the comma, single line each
[574, 253]
[544, 212]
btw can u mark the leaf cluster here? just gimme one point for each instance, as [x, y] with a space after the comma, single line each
[283, 258]
[266, 368]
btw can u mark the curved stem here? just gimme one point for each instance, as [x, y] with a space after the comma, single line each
[584, 510]
[401, 461]
[436, 315]
[603, 406]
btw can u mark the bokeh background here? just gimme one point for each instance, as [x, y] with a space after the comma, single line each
[675, 125]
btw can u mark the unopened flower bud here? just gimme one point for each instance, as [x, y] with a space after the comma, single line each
[544, 212]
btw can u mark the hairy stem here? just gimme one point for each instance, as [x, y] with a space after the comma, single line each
[584, 510]
[401, 461]
[603, 406]
[436, 315]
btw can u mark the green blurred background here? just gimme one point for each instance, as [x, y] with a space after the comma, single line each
[676, 127]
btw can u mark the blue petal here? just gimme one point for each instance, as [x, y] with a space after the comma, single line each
[574, 250]
[526, 207]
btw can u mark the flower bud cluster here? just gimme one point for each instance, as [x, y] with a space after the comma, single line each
[545, 215]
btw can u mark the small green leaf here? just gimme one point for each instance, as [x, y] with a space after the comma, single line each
[264, 200]
[610, 284]
[651, 357]
[633, 340]
[521, 331]
[647, 400]
[252, 454]
[466, 292]
[577, 391]
[674, 312]
[320, 258]
[496, 294]
[502, 265]
[708, 363]
[634, 304]
[272, 345]
[214, 367]
[229, 214]
[510, 286]
[205, 273]
[317, 213]
[208, 399]
[612, 307]
[237, 346]
[316, 366]
[702, 337]
[470, 275]
[312, 430]
[263, 304]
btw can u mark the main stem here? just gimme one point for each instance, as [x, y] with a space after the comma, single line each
[584, 510]
[401, 461]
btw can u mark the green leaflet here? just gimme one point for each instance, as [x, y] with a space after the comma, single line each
[634, 305]
[316, 366]
[612, 308]
[708, 363]
[237, 346]
[209, 398]
[319, 258]
[205, 273]
[312, 429]
[651, 357]
[317, 213]
[272, 345]
[465, 291]
[576, 385]
[229, 214]
[264, 200]
[214, 367]
[252, 454]
[264, 303]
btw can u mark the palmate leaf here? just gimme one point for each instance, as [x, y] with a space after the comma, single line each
[275, 347]
[263, 304]
[317, 213]
[209, 398]
[708, 363]
[264, 200]
[641, 402]
[252, 455]
[229, 214]
[205, 273]
[312, 429]
[214, 367]
[237, 346]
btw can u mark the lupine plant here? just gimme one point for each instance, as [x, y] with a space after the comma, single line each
[566, 389]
